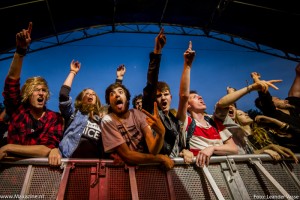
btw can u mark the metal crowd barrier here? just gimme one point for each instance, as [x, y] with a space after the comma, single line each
[227, 177]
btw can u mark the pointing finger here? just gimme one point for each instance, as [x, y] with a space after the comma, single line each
[29, 28]
[190, 45]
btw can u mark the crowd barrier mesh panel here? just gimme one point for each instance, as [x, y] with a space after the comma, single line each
[220, 180]
[118, 184]
[11, 179]
[190, 183]
[281, 176]
[295, 168]
[152, 183]
[45, 181]
[78, 186]
[255, 182]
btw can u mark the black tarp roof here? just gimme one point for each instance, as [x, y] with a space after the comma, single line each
[271, 23]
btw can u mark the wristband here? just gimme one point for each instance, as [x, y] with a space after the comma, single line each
[119, 81]
[21, 51]
[73, 72]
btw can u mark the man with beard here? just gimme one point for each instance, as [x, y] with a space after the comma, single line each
[82, 135]
[127, 133]
[34, 131]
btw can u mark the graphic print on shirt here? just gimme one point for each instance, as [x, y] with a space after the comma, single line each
[132, 137]
[92, 131]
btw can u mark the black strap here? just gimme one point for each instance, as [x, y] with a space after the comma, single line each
[211, 122]
[192, 126]
[190, 132]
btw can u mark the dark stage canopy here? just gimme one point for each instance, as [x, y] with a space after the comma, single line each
[268, 26]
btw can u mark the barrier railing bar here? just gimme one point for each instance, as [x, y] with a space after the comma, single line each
[212, 183]
[103, 182]
[64, 181]
[234, 181]
[27, 181]
[292, 174]
[133, 184]
[170, 185]
[179, 160]
[93, 194]
[271, 179]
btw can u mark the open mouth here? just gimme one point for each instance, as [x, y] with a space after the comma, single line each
[231, 113]
[119, 103]
[40, 99]
[202, 102]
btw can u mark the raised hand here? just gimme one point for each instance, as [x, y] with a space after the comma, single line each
[23, 38]
[121, 71]
[262, 85]
[160, 41]
[75, 66]
[255, 76]
[154, 120]
[189, 55]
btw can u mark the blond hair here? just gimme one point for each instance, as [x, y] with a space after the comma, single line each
[259, 134]
[30, 85]
[86, 108]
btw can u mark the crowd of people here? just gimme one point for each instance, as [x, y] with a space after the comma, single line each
[150, 132]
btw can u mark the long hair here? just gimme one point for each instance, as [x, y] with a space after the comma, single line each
[29, 85]
[89, 109]
[259, 134]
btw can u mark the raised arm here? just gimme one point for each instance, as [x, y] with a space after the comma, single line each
[66, 108]
[184, 90]
[120, 73]
[23, 39]
[258, 85]
[149, 92]
[74, 69]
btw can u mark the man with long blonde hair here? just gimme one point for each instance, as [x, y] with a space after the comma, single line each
[34, 131]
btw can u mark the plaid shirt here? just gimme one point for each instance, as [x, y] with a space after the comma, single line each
[23, 128]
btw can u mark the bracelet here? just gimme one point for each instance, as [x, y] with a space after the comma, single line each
[21, 51]
[73, 72]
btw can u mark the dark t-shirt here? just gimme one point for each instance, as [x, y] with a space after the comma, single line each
[90, 142]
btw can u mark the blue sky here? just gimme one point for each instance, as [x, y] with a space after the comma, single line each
[216, 66]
